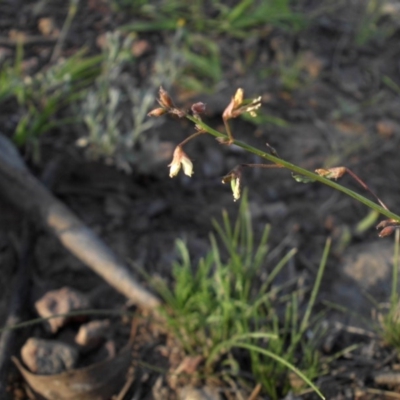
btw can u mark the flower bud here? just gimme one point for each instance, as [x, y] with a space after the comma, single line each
[198, 108]
[165, 99]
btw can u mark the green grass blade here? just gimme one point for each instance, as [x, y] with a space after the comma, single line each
[239, 10]
[395, 276]
[283, 362]
[317, 284]
[262, 248]
[232, 342]
[282, 262]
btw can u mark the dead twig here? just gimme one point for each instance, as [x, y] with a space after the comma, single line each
[377, 392]
[256, 391]
[20, 187]
[27, 41]
[387, 378]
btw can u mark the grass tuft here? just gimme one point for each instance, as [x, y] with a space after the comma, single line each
[390, 324]
[222, 305]
[42, 96]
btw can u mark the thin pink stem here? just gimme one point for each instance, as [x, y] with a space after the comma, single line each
[365, 186]
[188, 139]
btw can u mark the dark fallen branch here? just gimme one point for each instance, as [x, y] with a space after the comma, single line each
[22, 189]
[17, 306]
[10, 340]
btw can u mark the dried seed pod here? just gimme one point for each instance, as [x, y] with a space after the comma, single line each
[157, 112]
[387, 222]
[387, 231]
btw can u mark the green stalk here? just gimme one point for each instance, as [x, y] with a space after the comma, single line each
[298, 170]
[321, 269]
[394, 296]
[73, 8]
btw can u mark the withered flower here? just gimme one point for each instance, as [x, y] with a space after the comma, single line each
[238, 106]
[167, 106]
[331, 173]
[180, 159]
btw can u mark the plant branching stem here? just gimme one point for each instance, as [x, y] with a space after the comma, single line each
[299, 170]
[194, 135]
[268, 166]
[395, 276]
[366, 187]
[228, 131]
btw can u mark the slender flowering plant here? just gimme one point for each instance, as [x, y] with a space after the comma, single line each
[236, 107]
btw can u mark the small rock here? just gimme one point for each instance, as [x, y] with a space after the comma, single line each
[48, 357]
[366, 268]
[92, 333]
[47, 27]
[140, 47]
[61, 301]
[387, 128]
[204, 393]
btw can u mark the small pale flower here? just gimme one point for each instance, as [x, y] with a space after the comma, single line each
[251, 107]
[180, 159]
[236, 187]
[235, 179]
